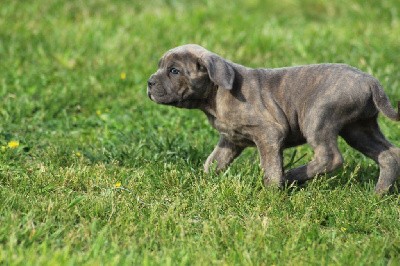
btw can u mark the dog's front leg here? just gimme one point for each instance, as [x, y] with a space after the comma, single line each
[224, 153]
[271, 163]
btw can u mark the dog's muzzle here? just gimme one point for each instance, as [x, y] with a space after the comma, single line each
[150, 83]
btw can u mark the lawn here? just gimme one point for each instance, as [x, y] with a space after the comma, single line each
[92, 172]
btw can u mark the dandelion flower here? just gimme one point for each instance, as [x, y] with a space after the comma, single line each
[13, 144]
[117, 185]
[123, 75]
[78, 154]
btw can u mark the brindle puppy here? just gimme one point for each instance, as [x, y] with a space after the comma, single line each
[274, 109]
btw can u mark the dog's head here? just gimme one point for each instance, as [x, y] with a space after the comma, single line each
[187, 74]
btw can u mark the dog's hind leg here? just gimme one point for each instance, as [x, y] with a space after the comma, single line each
[366, 137]
[326, 158]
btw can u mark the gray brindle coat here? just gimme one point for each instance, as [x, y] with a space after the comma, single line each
[275, 109]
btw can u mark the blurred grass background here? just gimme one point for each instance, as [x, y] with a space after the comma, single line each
[101, 175]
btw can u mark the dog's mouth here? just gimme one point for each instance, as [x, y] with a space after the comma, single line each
[155, 99]
[160, 98]
[188, 104]
[152, 97]
[172, 103]
[181, 103]
[149, 95]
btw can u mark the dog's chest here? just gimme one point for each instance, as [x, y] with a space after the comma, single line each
[235, 133]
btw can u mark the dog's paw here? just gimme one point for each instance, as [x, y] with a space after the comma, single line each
[269, 182]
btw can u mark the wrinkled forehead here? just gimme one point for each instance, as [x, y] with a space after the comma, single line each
[176, 59]
[182, 55]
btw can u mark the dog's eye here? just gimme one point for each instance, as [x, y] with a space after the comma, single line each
[174, 71]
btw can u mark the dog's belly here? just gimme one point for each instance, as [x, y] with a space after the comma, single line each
[293, 140]
[241, 134]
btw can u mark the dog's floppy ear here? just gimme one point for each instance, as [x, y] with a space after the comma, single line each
[219, 70]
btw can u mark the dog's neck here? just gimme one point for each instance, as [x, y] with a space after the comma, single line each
[208, 105]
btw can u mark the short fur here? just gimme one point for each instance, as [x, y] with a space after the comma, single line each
[279, 108]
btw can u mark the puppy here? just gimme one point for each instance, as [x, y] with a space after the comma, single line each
[274, 109]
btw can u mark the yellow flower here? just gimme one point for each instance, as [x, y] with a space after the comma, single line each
[98, 112]
[78, 154]
[13, 144]
[117, 185]
[123, 75]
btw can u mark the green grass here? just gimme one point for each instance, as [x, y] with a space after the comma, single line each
[82, 129]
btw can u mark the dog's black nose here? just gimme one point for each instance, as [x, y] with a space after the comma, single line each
[150, 83]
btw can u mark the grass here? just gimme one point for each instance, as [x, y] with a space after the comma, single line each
[102, 175]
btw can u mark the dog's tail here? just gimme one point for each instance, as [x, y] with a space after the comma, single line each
[383, 104]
